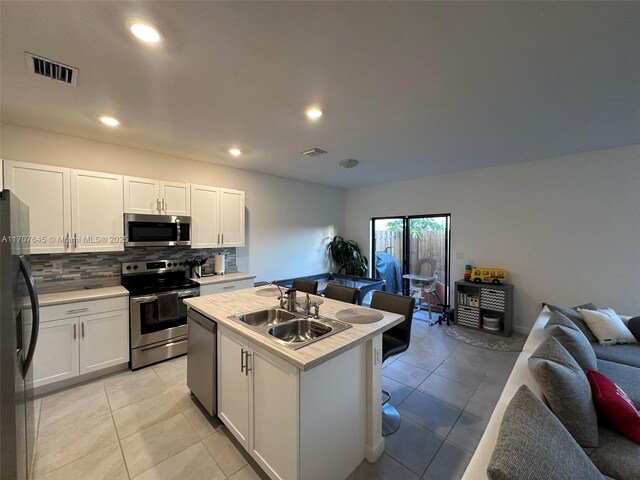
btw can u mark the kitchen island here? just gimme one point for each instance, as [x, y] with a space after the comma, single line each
[311, 413]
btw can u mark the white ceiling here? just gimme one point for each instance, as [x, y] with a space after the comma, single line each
[410, 89]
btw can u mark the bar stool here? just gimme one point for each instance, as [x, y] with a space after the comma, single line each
[394, 341]
[306, 286]
[341, 293]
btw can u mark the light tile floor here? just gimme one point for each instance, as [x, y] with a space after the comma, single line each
[144, 425]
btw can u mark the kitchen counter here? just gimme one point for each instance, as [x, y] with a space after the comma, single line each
[72, 296]
[220, 306]
[228, 277]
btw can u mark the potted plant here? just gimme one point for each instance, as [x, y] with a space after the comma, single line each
[346, 255]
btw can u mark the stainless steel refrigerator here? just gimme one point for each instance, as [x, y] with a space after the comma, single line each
[19, 324]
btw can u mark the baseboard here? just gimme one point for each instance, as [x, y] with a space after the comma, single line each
[373, 453]
[71, 382]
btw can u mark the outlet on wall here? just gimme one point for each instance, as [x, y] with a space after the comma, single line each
[56, 265]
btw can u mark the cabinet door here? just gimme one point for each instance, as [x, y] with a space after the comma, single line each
[96, 212]
[56, 354]
[274, 420]
[205, 216]
[231, 218]
[233, 385]
[175, 198]
[45, 190]
[141, 195]
[104, 340]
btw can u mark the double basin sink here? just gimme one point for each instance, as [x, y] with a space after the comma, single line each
[290, 329]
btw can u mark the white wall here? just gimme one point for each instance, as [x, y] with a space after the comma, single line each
[567, 229]
[288, 221]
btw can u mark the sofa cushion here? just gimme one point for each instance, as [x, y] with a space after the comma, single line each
[607, 326]
[575, 316]
[634, 326]
[626, 377]
[614, 407]
[532, 443]
[628, 354]
[572, 339]
[616, 456]
[566, 388]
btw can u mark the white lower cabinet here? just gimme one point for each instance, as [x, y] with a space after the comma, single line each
[104, 340]
[219, 287]
[57, 355]
[70, 344]
[258, 402]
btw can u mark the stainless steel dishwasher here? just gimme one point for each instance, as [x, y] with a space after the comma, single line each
[202, 360]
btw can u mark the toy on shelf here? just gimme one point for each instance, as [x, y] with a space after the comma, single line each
[467, 272]
[489, 275]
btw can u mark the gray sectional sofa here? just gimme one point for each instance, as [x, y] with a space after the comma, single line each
[522, 437]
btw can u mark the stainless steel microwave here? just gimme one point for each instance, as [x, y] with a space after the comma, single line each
[156, 230]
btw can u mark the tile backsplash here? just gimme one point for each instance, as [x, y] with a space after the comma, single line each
[96, 268]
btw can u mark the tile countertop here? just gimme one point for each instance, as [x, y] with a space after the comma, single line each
[228, 277]
[222, 305]
[45, 299]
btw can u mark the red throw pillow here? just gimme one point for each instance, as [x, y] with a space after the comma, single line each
[615, 406]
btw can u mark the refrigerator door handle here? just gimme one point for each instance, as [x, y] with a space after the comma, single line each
[35, 309]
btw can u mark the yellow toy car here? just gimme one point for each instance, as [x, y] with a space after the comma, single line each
[488, 275]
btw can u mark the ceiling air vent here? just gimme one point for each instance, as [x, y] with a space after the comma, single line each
[50, 69]
[314, 152]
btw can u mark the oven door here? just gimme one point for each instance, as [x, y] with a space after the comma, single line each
[153, 319]
[157, 230]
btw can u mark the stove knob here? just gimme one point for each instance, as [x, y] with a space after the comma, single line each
[135, 267]
[180, 264]
[175, 264]
[128, 267]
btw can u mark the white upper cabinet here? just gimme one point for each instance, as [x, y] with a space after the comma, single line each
[175, 198]
[144, 195]
[141, 195]
[231, 218]
[96, 212]
[73, 210]
[217, 217]
[205, 216]
[45, 190]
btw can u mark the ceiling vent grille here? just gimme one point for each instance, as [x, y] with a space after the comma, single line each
[54, 70]
[314, 152]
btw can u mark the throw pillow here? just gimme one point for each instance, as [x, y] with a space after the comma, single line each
[566, 388]
[634, 327]
[607, 326]
[572, 339]
[532, 443]
[573, 315]
[615, 406]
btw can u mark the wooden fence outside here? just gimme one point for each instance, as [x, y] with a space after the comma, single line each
[432, 244]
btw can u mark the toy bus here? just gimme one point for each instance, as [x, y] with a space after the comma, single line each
[488, 275]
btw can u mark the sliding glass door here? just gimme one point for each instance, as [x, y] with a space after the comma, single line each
[411, 254]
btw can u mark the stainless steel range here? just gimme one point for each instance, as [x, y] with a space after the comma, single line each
[157, 314]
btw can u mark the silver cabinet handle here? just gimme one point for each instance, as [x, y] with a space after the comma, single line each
[229, 287]
[242, 360]
[82, 329]
[164, 206]
[75, 240]
[246, 367]
[223, 239]
[158, 205]
[78, 310]
[75, 334]
[66, 240]
[218, 239]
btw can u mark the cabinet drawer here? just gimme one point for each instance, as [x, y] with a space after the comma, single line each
[87, 307]
[225, 287]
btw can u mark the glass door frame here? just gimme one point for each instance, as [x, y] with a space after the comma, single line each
[406, 245]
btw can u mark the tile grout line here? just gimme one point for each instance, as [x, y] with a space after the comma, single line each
[124, 461]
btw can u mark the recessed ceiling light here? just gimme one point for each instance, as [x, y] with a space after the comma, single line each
[349, 163]
[235, 151]
[313, 112]
[145, 31]
[110, 121]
